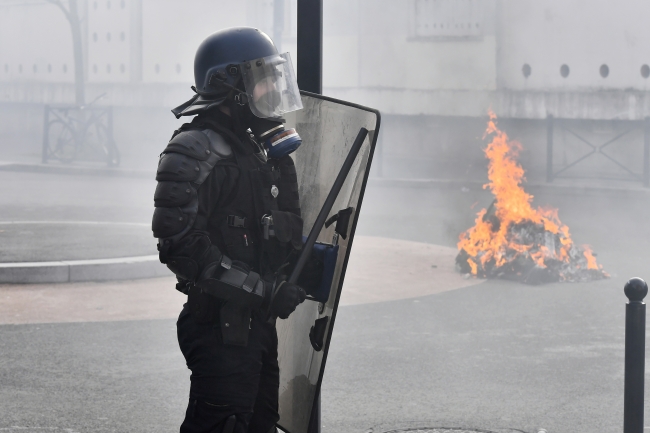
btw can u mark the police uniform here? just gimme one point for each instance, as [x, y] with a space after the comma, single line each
[228, 223]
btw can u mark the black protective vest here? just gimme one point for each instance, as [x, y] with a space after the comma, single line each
[264, 188]
[236, 228]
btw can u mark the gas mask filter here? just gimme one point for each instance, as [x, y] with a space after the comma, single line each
[284, 142]
[277, 140]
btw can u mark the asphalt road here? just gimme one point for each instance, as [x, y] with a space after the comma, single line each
[494, 355]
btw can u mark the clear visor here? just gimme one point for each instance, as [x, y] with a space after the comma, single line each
[271, 86]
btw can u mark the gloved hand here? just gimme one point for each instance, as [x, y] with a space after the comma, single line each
[287, 297]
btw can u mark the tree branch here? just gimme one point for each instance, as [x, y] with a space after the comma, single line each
[63, 9]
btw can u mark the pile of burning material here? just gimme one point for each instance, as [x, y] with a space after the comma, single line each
[510, 239]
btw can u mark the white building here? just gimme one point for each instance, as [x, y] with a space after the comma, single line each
[418, 61]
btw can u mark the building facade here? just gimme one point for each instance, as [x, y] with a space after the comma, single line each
[424, 63]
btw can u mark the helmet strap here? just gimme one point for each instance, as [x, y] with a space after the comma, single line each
[239, 114]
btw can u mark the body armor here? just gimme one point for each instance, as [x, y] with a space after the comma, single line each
[226, 259]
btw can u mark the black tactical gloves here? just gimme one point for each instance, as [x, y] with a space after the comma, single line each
[287, 297]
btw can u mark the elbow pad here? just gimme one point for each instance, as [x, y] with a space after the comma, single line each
[236, 284]
[194, 258]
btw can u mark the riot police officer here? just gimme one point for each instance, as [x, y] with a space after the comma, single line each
[228, 223]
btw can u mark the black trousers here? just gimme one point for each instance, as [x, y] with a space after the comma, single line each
[229, 380]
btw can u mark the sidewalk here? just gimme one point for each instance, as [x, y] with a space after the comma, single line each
[412, 270]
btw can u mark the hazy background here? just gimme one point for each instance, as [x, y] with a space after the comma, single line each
[432, 67]
[497, 354]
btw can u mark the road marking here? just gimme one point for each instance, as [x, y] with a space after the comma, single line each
[136, 259]
[78, 223]
[15, 428]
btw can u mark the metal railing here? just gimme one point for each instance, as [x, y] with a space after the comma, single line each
[79, 133]
[597, 149]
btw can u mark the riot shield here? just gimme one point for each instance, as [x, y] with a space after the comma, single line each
[328, 128]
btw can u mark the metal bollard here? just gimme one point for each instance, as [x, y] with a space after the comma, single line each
[635, 289]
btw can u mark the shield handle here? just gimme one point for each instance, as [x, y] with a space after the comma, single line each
[327, 206]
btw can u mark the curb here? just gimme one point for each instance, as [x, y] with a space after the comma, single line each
[123, 268]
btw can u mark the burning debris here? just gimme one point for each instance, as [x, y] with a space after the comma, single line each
[510, 239]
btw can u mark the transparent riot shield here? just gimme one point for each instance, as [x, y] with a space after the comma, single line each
[328, 128]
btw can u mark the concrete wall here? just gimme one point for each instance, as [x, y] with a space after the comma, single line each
[382, 53]
[583, 34]
[391, 57]
[109, 38]
[433, 85]
[173, 30]
[35, 44]
[367, 43]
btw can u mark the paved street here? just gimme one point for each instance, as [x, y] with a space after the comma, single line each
[494, 355]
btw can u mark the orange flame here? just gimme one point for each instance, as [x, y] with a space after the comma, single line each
[491, 238]
[591, 260]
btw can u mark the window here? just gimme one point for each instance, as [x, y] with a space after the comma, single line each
[446, 19]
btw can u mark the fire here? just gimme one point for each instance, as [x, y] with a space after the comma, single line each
[512, 236]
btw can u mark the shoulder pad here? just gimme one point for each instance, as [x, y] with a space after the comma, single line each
[192, 143]
[174, 166]
[199, 144]
[184, 165]
[191, 156]
[218, 144]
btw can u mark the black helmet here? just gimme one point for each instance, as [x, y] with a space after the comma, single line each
[235, 59]
[222, 52]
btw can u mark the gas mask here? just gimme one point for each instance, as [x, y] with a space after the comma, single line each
[267, 90]
[271, 90]
[271, 133]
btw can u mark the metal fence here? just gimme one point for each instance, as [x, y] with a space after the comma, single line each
[593, 149]
[79, 133]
